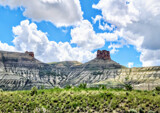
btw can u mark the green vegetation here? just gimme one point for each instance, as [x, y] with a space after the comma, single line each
[83, 86]
[68, 87]
[34, 91]
[102, 86]
[158, 88]
[127, 84]
[128, 87]
[80, 99]
[1, 90]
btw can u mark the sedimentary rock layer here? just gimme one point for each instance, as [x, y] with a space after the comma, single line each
[22, 71]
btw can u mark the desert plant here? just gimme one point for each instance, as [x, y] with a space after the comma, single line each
[68, 87]
[158, 88]
[102, 87]
[132, 111]
[127, 93]
[33, 91]
[42, 87]
[128, 87]
[154, 94]
[141, 110]
[151, 111]
[82, 86]
[1, 90]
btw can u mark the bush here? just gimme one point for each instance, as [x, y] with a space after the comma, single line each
[127, 94]
[128, 87]
[42, 87]
[82, 86]
[151, 111]
[34, 91]
[158, 88]
[141, 110]
[102, 87]
[154, 94]
[132, 111]
[68, 87]
[1, 90]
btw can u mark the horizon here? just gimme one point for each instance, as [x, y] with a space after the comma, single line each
[59, 30]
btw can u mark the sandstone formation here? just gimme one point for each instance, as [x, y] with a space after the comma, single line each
[105, 55]
[23, 71]
[144, 78]
[30, 53]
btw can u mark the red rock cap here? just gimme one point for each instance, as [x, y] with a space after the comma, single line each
[105, 55]
[30, 53]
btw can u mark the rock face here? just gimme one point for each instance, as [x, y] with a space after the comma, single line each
[30, 53]
[20, 71]
[144, 78]
[105, 55]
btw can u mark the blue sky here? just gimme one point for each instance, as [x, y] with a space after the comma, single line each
[128, 45]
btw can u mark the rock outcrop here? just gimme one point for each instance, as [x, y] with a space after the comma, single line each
[105, 55]
[144, 78]
[20, 71]
[30, 53]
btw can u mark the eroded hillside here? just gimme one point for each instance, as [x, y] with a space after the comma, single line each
[22, 71]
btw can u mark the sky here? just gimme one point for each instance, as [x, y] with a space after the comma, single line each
[73, 30]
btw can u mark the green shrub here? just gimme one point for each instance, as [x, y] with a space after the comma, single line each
[68, 87]
[154, 94]
[141, 110]
[102, 87]
[34, 91]
[132, 111]
[128, 87]
[158, 88]
[127, 94]
[82, 86]
[42, 87]
[1, 90]
[151, 111]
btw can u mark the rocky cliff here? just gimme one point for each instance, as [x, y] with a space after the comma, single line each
[144, 78]
[23, 71]
[105, 55]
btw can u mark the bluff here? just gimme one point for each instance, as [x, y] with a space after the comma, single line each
[20, 71]
[105, 55]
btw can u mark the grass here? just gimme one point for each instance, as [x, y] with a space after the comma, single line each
[80, 100]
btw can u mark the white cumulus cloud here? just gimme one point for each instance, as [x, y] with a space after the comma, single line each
[28, 38]
[139, 23]
[6, 47]
[130, 64]
[84, 36]
[103, 26]
[59, 12]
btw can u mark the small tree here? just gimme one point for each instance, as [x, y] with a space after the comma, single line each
[34, 91]
[42, 87]
[68, 87]
[128, 87]
[82, 86]
[158, 88]
[102, 86]
[1, 90]
[127, 84]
